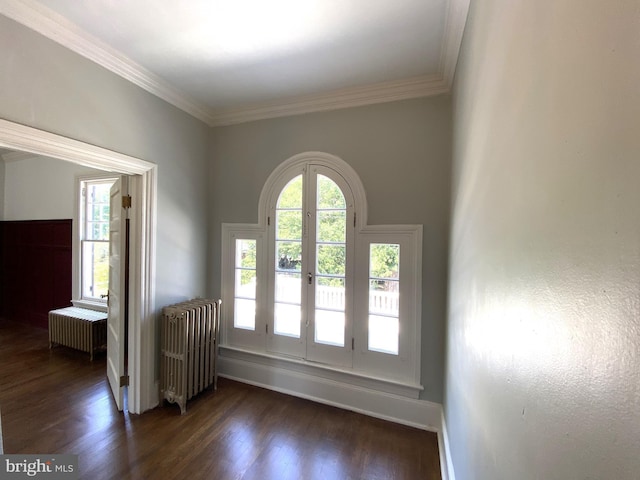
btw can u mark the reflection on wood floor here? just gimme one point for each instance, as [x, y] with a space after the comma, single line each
[59, 402]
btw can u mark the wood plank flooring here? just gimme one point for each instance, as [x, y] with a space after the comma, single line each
[59, 402]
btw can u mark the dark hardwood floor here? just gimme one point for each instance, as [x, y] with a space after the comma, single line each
[59, 402]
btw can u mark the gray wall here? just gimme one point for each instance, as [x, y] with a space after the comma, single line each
[400, 150]
[542, 376]
[45, 86]
[41, 188]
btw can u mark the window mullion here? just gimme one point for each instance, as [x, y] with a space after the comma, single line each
[308, 252]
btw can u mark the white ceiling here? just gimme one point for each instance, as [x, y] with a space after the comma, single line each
[228, 61]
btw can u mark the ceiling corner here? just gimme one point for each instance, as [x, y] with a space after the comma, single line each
[457, 11]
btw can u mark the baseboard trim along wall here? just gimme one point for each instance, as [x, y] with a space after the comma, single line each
[446, 463]
[387, 406]
[1, 447]
[415, 413]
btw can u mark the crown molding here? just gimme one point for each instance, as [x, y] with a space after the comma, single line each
[48, 23]
[55, 27]
[333, 100]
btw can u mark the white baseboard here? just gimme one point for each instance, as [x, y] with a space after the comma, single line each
[1, 447]
[407, 411]
[387, 406]
[446, 463]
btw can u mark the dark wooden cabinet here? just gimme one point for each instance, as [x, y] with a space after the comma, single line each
[36, 269]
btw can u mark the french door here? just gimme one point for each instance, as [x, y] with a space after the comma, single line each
[311, 256]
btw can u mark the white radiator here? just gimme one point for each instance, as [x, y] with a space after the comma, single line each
[189, 349]
[78, 328]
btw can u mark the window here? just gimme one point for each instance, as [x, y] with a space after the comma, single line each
[93, 240]
[311, 282]
[384, 296]
[245, 286]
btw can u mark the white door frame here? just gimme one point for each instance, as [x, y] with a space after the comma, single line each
[142, 392]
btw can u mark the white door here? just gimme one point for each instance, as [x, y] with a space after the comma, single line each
[331, 207]
[117, 293]
[311, 243]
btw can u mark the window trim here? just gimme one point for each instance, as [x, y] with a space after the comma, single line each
[410, 236]
[270, 194]
[78, 232]
[241, 337]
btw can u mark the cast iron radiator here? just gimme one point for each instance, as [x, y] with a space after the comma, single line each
[78, 328]
[189, 349]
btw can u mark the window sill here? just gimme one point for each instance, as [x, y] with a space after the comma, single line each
[90, 305]
[300, 366]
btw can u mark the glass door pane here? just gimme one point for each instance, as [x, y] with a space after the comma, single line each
[288, 257]
[331, 248]
[245, 285]
[384, 298]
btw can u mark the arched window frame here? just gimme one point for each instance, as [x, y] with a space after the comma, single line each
[402, 370]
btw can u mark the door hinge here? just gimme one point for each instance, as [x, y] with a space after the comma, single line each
[268, 221]
[126, 201]
[354, 219]
[353, 343]
[124, 381]
[266, 329]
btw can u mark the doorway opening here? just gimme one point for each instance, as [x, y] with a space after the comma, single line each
[142, 394]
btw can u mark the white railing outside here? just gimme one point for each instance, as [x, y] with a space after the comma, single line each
[384, 311]
[332, 298]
